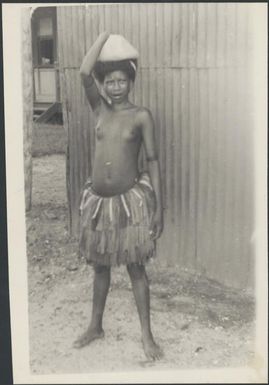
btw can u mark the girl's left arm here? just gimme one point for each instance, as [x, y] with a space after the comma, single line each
[149, 142]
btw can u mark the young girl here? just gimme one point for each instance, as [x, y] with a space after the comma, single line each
[121, 209]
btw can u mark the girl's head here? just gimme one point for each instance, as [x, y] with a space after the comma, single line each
[102, 69]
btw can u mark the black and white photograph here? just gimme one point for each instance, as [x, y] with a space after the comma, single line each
[136, 191]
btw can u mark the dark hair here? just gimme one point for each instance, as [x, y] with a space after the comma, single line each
[101, 69]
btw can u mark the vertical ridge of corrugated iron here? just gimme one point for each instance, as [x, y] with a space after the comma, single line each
[193, 76]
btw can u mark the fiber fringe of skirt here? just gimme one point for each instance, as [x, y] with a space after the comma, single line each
[115, 230]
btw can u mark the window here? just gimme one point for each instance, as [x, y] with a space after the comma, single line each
[45, 51]
[45, 27]
[44, 37]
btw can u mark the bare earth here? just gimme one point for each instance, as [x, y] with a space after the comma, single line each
[198, 323]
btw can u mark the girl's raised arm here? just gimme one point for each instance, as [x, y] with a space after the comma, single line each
[86, 69]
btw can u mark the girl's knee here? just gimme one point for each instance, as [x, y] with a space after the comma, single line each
[101, 269]
[136, 271]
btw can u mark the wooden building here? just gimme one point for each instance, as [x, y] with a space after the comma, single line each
[194, 75]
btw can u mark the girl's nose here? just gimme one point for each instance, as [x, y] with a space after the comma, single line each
[116, 85]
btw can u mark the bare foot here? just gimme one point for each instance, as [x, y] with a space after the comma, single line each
[87, 337]
[151, 349]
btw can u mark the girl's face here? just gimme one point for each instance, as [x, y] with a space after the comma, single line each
[117, 86]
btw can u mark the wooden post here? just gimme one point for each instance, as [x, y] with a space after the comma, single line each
[27, 79]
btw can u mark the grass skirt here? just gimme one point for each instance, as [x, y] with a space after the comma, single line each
[115, 230]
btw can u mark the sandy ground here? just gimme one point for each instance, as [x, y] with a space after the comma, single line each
[198, 323]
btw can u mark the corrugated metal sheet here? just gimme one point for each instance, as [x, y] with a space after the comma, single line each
[194, 76]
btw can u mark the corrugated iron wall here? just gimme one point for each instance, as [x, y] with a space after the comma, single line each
[194, 75]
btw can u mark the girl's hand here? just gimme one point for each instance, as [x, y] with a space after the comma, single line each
[156, 226]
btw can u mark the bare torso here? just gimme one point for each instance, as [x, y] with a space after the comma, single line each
[117, 144]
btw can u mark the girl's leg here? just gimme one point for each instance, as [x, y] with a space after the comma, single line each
[140, 286]
[100, 289]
